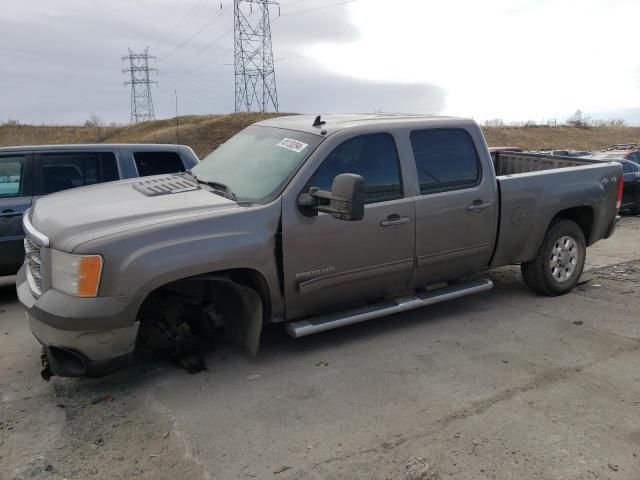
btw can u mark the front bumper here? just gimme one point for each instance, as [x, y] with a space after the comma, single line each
[83, 337]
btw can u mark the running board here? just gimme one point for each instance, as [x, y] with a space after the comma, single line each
[321, 323]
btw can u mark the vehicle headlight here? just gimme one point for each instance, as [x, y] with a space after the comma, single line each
[77, 275]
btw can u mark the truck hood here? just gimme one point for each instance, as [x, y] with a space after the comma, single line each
[76, 216]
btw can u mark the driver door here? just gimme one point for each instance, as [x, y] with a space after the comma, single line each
[331, 264]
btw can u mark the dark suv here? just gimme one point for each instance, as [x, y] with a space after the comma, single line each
[27, 173]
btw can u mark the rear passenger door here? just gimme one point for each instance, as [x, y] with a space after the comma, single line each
[57, 171]
[456, 210]
[15, 198]
[157, 163]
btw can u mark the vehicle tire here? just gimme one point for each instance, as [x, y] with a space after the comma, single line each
[635, 210]
[558, 264]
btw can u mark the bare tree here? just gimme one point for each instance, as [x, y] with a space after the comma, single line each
[578, 120]
[97, 123]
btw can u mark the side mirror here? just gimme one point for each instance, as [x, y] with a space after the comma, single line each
[344, 202]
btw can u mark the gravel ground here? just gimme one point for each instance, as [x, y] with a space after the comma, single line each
[503, 385]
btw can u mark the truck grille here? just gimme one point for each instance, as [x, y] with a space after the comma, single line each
[33, 260]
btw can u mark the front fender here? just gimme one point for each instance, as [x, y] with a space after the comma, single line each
[140, 261]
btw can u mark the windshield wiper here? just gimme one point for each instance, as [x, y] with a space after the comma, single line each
[217, 187]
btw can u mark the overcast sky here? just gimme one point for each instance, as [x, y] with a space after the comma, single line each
[60, 60]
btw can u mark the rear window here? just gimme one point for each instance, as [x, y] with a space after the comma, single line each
[446, 159]
[157, 163]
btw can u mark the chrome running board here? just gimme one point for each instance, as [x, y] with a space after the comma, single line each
[321, 323]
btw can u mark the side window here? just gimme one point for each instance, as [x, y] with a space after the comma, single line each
[61, 171]
[635, 157]
[105, 169]
[11, 176]
[108, 168]
[374, 157]
[157, 163]
[445, 158]
[627, 167]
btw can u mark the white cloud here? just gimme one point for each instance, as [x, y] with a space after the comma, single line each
[499, 58]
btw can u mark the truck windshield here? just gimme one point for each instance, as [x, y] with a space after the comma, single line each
[256, 163]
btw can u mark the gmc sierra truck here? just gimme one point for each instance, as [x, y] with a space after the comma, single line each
[312, 222]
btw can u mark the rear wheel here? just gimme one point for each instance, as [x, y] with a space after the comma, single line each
[558, 264]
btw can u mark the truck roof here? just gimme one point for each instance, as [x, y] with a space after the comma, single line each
[336, 122]
[94, 146]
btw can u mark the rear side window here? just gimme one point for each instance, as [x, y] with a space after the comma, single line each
[157, 163]
[446, 159]
[11, 175]
[374, 157]
[628, 167]
[635, 157]
[62, 171]
[105, 170]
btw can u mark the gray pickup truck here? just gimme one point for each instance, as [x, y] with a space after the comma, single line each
[313, 222]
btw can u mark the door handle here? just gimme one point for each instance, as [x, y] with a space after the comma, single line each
[394, 220]
[478, 205]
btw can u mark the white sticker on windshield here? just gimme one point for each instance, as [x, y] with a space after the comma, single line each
[293, 145]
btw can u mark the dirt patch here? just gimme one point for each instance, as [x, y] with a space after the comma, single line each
[103, 430]
[628, 273]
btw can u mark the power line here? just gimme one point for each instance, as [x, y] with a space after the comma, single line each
[316, 8]
[195, 8]
[138, 71]
[195, 34]
[172, 71]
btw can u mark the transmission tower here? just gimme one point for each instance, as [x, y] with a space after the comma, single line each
[139, 70]
[255, 77]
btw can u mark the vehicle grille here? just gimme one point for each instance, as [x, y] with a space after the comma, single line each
[34, 264]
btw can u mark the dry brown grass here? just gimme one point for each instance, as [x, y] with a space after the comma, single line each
[536, 138]
[204, 133]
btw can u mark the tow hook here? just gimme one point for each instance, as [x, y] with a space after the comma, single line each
[46, 372]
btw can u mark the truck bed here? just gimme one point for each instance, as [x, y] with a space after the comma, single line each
[511, 163]
[534, 188]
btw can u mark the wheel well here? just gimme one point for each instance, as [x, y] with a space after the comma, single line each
[241, 276]
[583, 216]
[239, 297]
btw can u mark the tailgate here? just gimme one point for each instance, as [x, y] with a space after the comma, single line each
[529, 201]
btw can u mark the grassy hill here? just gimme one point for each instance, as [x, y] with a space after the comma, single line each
[204, 133]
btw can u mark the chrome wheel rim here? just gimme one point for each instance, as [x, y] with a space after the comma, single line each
[564, 259]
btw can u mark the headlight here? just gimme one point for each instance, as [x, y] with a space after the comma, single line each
[77, 275]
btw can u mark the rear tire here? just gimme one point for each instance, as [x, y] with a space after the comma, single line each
[557, 266]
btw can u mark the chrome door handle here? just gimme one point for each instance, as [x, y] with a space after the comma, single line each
[394, 221]
[478, 205]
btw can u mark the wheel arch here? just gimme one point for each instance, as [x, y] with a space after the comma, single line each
[242, 296]
[583, 215]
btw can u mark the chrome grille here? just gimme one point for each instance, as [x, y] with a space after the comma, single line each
[33, 260]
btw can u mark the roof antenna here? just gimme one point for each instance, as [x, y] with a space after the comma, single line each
[318, 122]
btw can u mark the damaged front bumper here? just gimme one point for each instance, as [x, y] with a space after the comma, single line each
[82, 337]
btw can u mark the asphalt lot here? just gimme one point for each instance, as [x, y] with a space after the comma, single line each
[502, 385]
